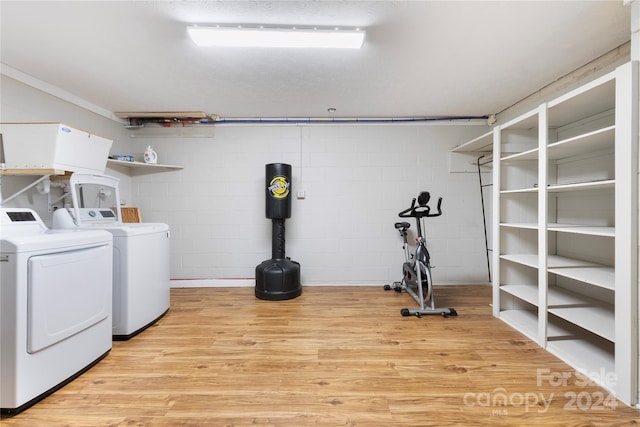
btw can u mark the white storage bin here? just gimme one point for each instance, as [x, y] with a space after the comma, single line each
[53, 146]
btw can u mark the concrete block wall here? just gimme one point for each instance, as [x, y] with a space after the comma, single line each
[356, 178]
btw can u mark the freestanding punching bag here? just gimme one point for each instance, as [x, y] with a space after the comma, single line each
[278, 278]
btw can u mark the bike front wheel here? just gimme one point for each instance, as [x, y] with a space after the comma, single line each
[426, 284]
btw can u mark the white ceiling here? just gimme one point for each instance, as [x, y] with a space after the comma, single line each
[420, 58]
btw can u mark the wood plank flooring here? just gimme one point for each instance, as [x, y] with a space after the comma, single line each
[335, 356]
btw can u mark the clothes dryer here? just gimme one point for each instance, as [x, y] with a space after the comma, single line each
[55, 298]
[141, 276]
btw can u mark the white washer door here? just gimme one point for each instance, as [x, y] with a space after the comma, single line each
[67, 292]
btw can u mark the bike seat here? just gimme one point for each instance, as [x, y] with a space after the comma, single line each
[402, 225]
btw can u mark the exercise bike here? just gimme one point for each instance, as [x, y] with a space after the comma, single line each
[416, 270]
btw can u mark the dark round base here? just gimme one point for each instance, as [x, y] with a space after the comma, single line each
[278, 296]
[278, 280]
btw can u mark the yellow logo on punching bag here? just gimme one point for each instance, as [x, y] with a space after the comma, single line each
[279, 187]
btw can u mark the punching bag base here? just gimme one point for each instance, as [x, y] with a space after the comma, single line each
[278, 280]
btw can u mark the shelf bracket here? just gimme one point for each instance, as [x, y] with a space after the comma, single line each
[13, 196]
[50, 202]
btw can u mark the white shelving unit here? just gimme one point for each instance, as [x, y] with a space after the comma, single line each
[565, 227]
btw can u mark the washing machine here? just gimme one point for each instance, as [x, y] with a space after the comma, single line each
[141, 275]
[55, 300]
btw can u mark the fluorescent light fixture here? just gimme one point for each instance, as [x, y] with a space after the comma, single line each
[240, 36]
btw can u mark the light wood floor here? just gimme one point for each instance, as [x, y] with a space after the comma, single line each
[332, 357]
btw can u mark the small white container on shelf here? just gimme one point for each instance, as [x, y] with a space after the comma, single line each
[150, 156]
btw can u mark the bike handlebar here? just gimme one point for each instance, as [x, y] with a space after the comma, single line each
[423, 210]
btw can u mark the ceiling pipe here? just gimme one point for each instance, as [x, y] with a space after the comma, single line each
[332, 120]
[140, 122]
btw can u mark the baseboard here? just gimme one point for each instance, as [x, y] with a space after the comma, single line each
[212, 283]
[246, 283]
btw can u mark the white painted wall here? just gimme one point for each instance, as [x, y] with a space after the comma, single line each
[635, 56]
[356, 179]
[22, 103]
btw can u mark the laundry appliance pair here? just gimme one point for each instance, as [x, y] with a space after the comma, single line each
[66, 292]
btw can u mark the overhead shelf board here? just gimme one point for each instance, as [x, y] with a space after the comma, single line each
[135, 164]
[164, 115]
[481, 144]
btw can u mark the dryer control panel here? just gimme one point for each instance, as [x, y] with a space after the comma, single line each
[20, 219]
